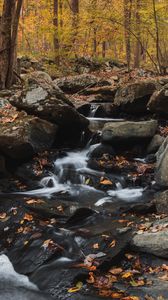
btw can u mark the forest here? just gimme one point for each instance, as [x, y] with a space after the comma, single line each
[83, 149]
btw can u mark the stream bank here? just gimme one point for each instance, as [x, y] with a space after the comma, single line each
[85, 218]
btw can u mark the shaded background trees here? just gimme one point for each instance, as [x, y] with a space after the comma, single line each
[134, 31]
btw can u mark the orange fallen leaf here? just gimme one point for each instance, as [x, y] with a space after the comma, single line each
[129, 256]
[28, 217]
[32, 201]
[106, 182]
[127, 275]
[112, 244]
[116, 295]
[116, 271]
[3, 215]
[91, 278]
[131, 298]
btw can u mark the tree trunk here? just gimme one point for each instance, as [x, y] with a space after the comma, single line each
[157, 36]
[137, 45]
[13, 48]
[103, 49]
[75, 20]
[8, 38]
[56, 39]
[127, 22]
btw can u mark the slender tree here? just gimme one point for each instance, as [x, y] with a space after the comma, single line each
[75, 20]
[127, 22]
[56, 23]
[157, 35]
[137, 53]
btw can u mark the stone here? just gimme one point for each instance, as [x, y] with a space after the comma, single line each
[105, 92]
[17, 286]
[158, 102]
[134, 97]
[155, 144]
[49, 103]
[98, 150]
[128, 131]
[155, 243]
[74, 84]
[161, 202]
[161, 173]
[40, 76]
[25, 136]
[3, 170]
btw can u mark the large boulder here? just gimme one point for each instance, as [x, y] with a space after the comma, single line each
[161, 174]
[21, 136]
[74, 84]
[49, 103]
[161, 202]
[155, 144]
[159, 102]
[154, 240]
[134, 97]
[126, 131]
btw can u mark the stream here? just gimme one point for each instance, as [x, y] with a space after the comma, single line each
[79, 213]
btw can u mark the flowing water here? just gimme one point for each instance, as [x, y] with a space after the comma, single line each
[69, 179]
[70, 176]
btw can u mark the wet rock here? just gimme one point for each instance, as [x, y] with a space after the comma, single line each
[37, 76]
[49, 103]
[3, 170]
[155, 143]
[107, 93]
[152, 242]
[128, 131]
[134, 97]
[16, 286]
[100, 150]
[159, 102]
[97, 124]
[161, 174]
[161, 202]
[25, 136]
[74, 84]
[26, 63]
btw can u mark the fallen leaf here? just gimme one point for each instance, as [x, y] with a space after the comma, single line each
[3, 215]
[116, 295]
[112, 244]
[131, 298]
[106, 182]
[164, 277]
[95, 246]
[76, 288]
[116, 271]
[127, 275]
[91, 278]
[28, 217]
[32, 201]
[129, 256]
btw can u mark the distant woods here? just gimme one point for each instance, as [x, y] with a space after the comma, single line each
[134, 31]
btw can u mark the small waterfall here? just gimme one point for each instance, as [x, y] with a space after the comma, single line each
[93, 108]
